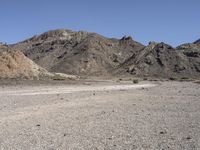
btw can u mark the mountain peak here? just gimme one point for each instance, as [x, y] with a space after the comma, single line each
[197, 42]
[126, 38]
[157, 45]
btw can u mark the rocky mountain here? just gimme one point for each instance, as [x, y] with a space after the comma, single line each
[192, 50]
[197, 42]
[90, 54]
[162, 60]
[79, 53]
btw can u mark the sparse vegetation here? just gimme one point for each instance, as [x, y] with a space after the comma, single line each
[181, 79]
[145, 78]
[173, 78]
[184, 78]
[57, 77]
[61, 76]
[135, 81]
[197, 81]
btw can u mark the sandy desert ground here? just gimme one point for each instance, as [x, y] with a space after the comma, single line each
[101, 115]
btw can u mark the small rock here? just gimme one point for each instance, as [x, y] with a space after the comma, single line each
[188, 138]
[134, 147]
[163, 132]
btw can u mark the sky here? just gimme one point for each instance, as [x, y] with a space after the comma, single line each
[170, 21]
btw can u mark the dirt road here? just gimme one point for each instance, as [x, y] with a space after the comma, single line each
[103, 115]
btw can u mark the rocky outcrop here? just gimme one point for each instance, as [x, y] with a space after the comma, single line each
[15, 65]
[162, 60]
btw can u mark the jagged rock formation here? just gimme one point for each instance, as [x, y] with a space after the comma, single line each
[192, 50]
[84, 53]
[162, 60]
[197, 42]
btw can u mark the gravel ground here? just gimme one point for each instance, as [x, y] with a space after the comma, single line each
[101, 115]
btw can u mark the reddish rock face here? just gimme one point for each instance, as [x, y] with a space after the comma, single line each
[14, 64]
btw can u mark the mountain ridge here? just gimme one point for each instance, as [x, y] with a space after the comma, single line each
[90, 54]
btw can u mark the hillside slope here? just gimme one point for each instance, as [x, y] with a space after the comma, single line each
[15, 65]
[162, 60]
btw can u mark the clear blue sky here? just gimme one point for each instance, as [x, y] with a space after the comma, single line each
[170, 21]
